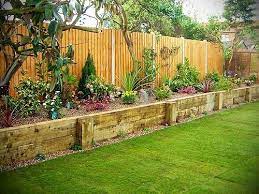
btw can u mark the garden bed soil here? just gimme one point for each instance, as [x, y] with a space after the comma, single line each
[81, 110]
[118, 139]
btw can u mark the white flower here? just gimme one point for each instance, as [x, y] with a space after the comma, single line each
[52, 109]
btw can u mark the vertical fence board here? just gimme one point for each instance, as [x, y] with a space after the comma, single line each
[100, 46]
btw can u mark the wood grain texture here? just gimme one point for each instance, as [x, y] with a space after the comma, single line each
[107, 57]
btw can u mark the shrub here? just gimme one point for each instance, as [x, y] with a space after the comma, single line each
[68, 92]
[129, 97]
[30, 95]
[53, 105]
[252, 78]
[237, 81]
[97, 89]
[162, 92]
[248, 82]
[87, 71]
[214, 76]
[224, 83]
[186, 76]
[76, 147]
[187, 90]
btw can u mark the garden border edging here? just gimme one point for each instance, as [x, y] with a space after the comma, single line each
[26, 141]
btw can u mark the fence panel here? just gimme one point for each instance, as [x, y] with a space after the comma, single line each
[112, 58]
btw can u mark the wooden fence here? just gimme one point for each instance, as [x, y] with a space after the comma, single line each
[112, 59]
[246, 63]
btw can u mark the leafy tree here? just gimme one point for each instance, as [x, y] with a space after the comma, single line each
[236, 11]
[152, 15]
[239, 16]
[166, 17]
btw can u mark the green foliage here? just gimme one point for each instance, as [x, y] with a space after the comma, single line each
[166, 17]
[227, 52]
[186, 76]
[59, 71]
[162, 92]
[214, 77]
[250, 81]
[40, 157]
[239, 11]
[149, 64]
[214, 28]
[161, 16]
[53, 103]
[87, 71]
[29, 96]
[97, 89]
[76, 147]
[132, 80]
[224, 83]
[253, 78]
[192, 29]
[226, 140]
[146, 130]
[68, 92]
[129, 97]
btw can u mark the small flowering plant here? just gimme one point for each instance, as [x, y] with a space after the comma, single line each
[53, 104]
[98, 89]
[129, 97]
[187, 90]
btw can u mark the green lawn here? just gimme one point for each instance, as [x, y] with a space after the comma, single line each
[215, 154]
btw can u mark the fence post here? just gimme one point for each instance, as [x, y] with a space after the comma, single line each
[206, 57]
[113, 57]
[248, 96]
[87, 134]
[183, 49]
[219, 100]
[171, 113]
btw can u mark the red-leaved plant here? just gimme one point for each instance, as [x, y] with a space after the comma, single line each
[92, 104]
[7, 113]
[207, 86]
[187, 90]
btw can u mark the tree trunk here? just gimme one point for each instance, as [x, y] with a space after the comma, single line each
[5, 81]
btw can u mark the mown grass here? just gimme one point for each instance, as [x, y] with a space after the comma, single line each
[215, 154]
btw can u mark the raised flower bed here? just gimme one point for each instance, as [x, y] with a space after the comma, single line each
[26, 141]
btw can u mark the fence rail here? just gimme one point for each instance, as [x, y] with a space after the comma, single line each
[113, 61]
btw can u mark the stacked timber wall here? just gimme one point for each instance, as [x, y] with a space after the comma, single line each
[25, 142]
